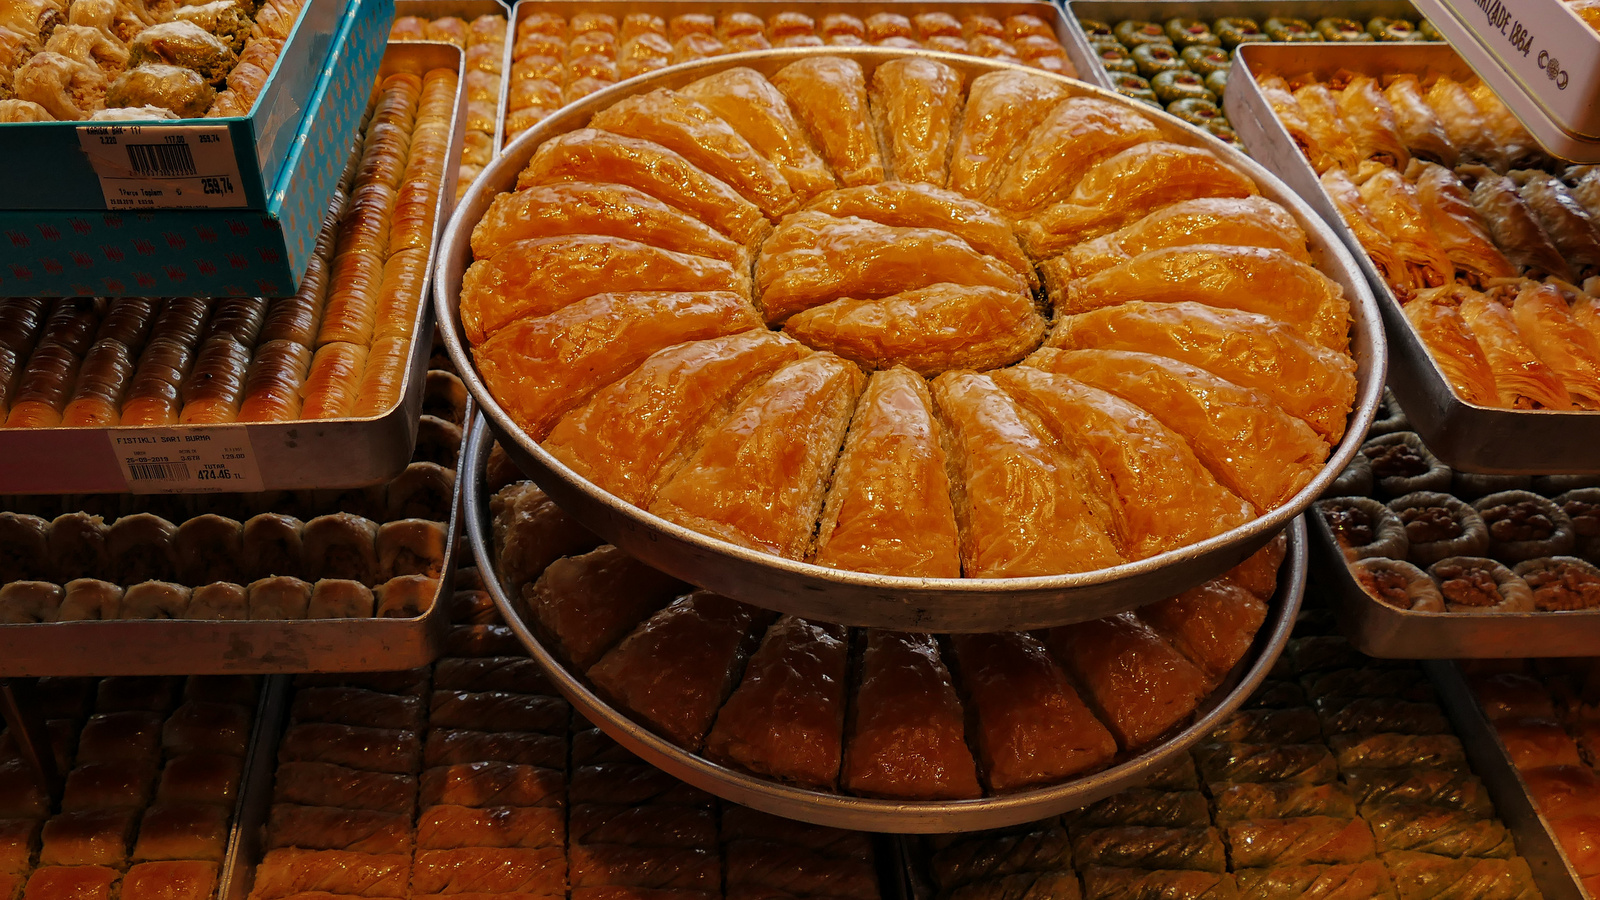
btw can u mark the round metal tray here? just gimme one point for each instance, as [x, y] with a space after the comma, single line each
[857, 598]
[862, 813]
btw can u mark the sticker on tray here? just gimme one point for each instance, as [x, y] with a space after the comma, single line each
[188, 460]
[164, 166]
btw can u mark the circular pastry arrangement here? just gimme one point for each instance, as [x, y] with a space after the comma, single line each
[870, 728]
[919, 319]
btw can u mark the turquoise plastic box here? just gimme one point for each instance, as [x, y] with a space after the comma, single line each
[257, 251]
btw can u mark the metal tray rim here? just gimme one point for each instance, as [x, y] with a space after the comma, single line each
[899, 593]
[861, 813]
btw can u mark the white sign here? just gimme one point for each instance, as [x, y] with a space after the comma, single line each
[193, 460]
[164, 166]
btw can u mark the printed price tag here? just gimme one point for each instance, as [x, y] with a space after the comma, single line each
[188, 460]
[163, 166]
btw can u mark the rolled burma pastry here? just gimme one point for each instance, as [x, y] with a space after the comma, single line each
[1439, 526]
[1474, 584]
[154, 600]
[1402, 464]
[272, 384]
[89, 599]
[1397, 583]
[411, 547]
[24, 547]
[141, 549]
[445, 396]
[271, 545]
[405, 596]
[1364, 528]
[214, 387]
[29, 601]
[337, 598]
[208, 548]
[331, 386]
[340, 545]
[1523, 525]
[219, 600]
[279, 597]
[438, 441]
[77, 546]
[422, 491]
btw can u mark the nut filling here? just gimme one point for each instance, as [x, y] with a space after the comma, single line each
[1352, 527]
[1388, 586]
[1428, 524]
[1397, 461]
[1562, 586]
[1466, 586]
[1524, 521]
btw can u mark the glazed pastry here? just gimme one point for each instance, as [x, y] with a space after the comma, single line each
[1364, 528]
[272, 545]
[1282, 799]
[154, 600]
[1127, 187]
[1516, 145]
[1392, 203]
[329, 598]
[141, 549]
[87, 599]
[340, 545]
[1402, 464]
[1321, 110]
[1380, 249]
[1439, 526]
[1275, 90]
[1474, 584]
[1215, 275]
[678, 123]
[331, 385]
[1031, 725]
[586, 603]
[1062, 527]
[1398, 584]
[574, 208]
[1419, 127]
[218, 600]
[541, 276]
[1372, 123]
[290, 871]
[1561, 583]
[1512, 224]
[1307, 840]
[1210, 413]
[590, 155]
[1572, 352]
[278, 597]
[929, 329]
[530, 532]
[1067, 144]
[717, 493]
[404, 596]
[1447, 207]
[911, 205]
[1309, 382]
[410, 547]
[675, 396]
[867, 524]
[29, 601]
[24, 543]
[1146, 472]
[1197, 847]
[1521, 379]
[1523, 525]
[863, 260]
[1002, 110]
[1242, 222]
[676, 693]
[1152, 59]
[786, 718]
[1570, 227]
[758, 111]
[611, 333]
[1213, 624]
[1142, 683]
[916, 105]
[829, 97]
[1203, 60]
[906, 724]
[208, 549]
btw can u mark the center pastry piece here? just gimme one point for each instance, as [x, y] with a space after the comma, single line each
[885, 320]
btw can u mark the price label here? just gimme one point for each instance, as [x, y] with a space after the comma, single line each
[187, 460]
[163, 166]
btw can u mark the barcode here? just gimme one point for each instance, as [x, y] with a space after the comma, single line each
[159, 471]
[161, 160]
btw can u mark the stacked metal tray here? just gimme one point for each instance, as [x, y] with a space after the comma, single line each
[1468, 437]
[860, 813]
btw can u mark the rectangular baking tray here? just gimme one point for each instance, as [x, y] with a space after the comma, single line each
[1387, 632]
[1540, 58]
[1467, 437]
[1114, 11]
[255, 647]
[1536, 842]
[322, 453]
[46, 169]
[1067, 31]
[469, 10]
